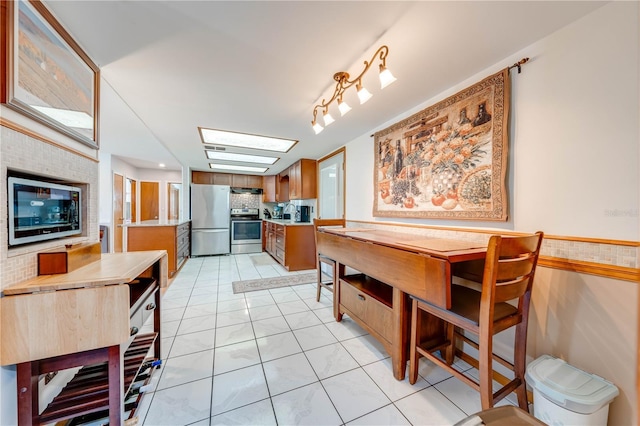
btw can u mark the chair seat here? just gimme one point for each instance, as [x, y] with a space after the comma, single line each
[465, 302]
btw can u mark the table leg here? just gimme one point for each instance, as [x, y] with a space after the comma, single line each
[116, 383]
[339, 271]
[399, 344]
[27, 377]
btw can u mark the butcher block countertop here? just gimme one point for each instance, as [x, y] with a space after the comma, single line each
[112, 268]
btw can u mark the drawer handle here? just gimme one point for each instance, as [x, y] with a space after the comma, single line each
[133, 331]
[361, 297]
[150, 307]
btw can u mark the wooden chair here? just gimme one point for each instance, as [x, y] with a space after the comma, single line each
[507, 275]
[320, 259]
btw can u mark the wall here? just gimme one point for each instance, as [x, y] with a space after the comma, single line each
[573, 171]
[55, 157]
[110, 164]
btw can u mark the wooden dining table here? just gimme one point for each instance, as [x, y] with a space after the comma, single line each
[410, 264]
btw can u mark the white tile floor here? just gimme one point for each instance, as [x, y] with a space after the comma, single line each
[278, 357]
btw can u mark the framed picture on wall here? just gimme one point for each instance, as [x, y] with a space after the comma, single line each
[449, 160]
[45, 74]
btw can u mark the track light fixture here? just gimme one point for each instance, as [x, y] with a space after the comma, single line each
[343, 83]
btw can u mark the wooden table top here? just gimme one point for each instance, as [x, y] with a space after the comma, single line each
[443, 248]
[112, 268]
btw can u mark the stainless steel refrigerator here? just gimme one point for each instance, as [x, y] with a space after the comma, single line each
[210, 220]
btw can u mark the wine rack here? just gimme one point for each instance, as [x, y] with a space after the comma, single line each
[108, 379]
[88, 391]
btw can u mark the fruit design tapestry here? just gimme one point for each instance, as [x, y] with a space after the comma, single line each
[449, 160]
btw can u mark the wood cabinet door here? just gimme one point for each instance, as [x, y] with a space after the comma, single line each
[294, 181]
[254, 181]
[307, 179]
[282, 188]
[239, 181]
[202, 178]
[222, 178]
[149, 200]
[269, 189]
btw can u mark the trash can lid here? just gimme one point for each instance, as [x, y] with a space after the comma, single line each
[569, 386]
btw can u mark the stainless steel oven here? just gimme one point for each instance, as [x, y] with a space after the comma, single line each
[246, 231]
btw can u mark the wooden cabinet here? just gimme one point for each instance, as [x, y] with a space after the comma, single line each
[302, 180]
[269, 189]
[239, 181]
[110, 298]
[292, 246]
[282, 187]
[183, 244]
[175, 239]
[254, 181]
[246, 181]
[369, 302]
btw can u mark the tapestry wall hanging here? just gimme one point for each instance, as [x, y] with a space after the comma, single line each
[449, 160]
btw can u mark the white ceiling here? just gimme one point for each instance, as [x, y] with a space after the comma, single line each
[259, 67]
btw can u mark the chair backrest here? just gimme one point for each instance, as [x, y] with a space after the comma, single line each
[509, 271]
[317, 223]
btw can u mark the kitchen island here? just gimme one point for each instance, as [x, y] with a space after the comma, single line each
[290, 243]
[91, 318]
[170, 235]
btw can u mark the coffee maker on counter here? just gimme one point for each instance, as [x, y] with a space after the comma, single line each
[303, 214]
[277, 212]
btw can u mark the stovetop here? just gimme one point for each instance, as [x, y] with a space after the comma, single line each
[245, 214]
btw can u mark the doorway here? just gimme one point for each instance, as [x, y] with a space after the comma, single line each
[331, 185]
[118, 212]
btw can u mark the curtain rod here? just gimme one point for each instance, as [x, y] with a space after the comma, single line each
[518, 65]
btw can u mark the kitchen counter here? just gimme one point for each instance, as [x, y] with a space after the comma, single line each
[288, 222]
[157, 223]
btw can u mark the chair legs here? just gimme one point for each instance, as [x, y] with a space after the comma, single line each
[334, 274]
[484, 362]
[319, 279]
[519, 364]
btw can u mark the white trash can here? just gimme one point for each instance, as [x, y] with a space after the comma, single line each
[564, 395]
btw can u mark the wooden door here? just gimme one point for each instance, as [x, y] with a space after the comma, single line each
[331, 186]
[118, 212]
[149, 201]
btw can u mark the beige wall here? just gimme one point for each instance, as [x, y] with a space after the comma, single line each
[18, 151]
[591, 322]
[27, 154]
[574, 161]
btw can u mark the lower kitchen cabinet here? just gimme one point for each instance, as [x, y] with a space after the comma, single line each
[292, 246]
[174, 238]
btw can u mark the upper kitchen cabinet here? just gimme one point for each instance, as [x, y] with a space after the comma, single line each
[269, 189]
[239, 181]
[282, 186]
[302, 179]
[246, 181]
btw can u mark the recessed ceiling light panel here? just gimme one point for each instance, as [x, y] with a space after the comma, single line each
[228, 167]
[244, 140]
[244, 158]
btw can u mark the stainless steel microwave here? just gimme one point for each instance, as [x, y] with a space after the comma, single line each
[40, 210]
